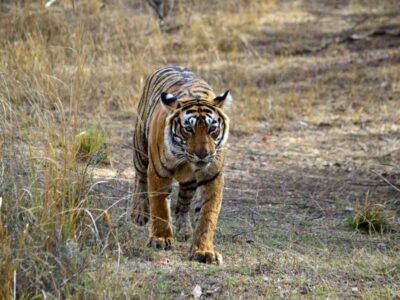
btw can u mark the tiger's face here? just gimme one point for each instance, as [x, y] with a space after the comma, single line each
[196, 129]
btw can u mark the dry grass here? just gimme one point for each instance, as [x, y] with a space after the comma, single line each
[92, 146]
[63, 226]
[370, 218]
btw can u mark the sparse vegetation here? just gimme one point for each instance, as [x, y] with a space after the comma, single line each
[309, 121]
[369, 217]
[92, 146]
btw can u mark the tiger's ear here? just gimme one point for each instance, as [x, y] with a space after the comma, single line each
[223, 100]
[168, 100]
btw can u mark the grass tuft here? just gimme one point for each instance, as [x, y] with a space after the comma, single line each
[92, 146]
[370, 218]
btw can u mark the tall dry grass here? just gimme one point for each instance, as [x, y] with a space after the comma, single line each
[47, 220]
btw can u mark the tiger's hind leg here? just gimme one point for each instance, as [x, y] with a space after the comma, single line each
[140, 212]
[183, 224]
[161, 234]
[140, 197]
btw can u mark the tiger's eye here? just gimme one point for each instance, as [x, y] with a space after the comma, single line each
[188, 129]
[212, 129]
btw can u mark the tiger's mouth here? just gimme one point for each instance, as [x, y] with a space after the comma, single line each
[201, 164]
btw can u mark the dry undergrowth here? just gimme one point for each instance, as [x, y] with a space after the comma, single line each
[64, 234]
[92, 146]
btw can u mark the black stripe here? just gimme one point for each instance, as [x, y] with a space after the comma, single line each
[191, 103]
[143, 181]
[188, 185]
[164, 75]
[140, 172]
[154, 168]
[186, 194]
[207, 110]
[161, 161]
[184, 201]
[200, 92]
[209, 180]
[223, 135]
[172, 133]
[203, 86]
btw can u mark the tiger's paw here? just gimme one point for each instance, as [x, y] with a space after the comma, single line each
[184, 230]
[184, 234]
[206, 256]
[140, 213]
[161, 243]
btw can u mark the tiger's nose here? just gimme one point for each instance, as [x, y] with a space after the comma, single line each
[201, 153]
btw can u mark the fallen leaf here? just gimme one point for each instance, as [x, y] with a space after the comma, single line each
[164, 261]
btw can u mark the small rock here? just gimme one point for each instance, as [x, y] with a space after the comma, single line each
[210, 292]
[397, 218]
[349, 209]
[354, 289]
[196, 292]
[305, 289]
[381, 245]
[266, 278]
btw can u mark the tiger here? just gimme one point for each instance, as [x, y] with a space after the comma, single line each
[180, 135]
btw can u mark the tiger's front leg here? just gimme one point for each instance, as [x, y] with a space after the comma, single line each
[183, 223]
[203, 241]
[161, 234]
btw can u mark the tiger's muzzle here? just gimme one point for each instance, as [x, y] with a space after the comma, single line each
[201, 160]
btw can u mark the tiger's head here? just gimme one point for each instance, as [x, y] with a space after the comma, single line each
[196, 129]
